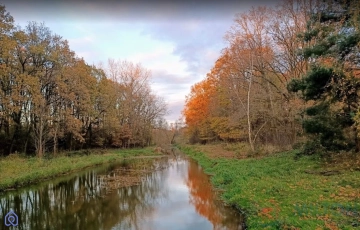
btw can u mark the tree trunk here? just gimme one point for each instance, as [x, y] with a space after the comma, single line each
[27, 139]
[356, 140]
[15, 136]
[273, 125]
[55, 142]
[248, 116]
[40, 140]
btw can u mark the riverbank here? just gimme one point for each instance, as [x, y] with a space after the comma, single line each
[17, 171]
[279, 192]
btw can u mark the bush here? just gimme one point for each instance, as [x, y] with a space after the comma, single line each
[312, 147]
[309, 148]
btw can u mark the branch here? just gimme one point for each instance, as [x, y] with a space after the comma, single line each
[259, 130]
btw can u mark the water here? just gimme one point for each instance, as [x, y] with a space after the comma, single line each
[179, 196]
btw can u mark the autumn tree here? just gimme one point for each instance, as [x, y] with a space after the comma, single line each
[250, 54]
[137, 107]
[52, 100]
[197, 108]
[7, 108]
[251, 99]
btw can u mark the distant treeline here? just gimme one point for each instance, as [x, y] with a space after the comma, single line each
[50, 99]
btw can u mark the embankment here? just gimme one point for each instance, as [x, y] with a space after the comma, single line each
[17, 171]
[279, 192]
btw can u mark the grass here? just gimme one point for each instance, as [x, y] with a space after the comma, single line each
[17, 171]
[278, 192]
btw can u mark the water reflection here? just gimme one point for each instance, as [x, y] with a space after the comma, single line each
[206, 203]
[172, 198]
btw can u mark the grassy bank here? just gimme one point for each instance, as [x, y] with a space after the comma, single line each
[279, 192]
[16, 170]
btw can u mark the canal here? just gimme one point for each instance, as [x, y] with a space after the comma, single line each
[176, 194]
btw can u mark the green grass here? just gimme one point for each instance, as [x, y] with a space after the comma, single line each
[16, 170]
[275, 192]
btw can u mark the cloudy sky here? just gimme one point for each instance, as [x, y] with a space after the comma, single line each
[178, 41]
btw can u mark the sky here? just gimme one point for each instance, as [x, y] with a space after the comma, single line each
[178, 41]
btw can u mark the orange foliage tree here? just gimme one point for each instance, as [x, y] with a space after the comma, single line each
[249, 100]
[197, 108]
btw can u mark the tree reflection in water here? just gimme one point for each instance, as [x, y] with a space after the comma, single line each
[83, 202]
[206, 203]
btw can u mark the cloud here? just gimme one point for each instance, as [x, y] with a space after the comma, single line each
[196, 42]
[175, 107]
[81, 40]
[178, 41]
[163, 77]
[134, 11]
[158, 58]
[82, 44]
[172, 87]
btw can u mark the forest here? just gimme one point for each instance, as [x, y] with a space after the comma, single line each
[271, 132]
[288, 78]
[51, 100]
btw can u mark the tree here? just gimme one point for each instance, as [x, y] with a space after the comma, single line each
[137, 107]
[250, 53]
[7, 108]
[197, 108]
[251, 99]
[330, 83]
[46, 58]
[50, 99]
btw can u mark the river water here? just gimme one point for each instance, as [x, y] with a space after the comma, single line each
[176, 196]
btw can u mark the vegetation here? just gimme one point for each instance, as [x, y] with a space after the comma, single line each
[328, 83]
[51, 100]
[17, 170]
[287, 79]
[244, 97]
[279, 192]
[287, 71]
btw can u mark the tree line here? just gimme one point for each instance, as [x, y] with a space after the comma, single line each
[288, 72]
[51, 99]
